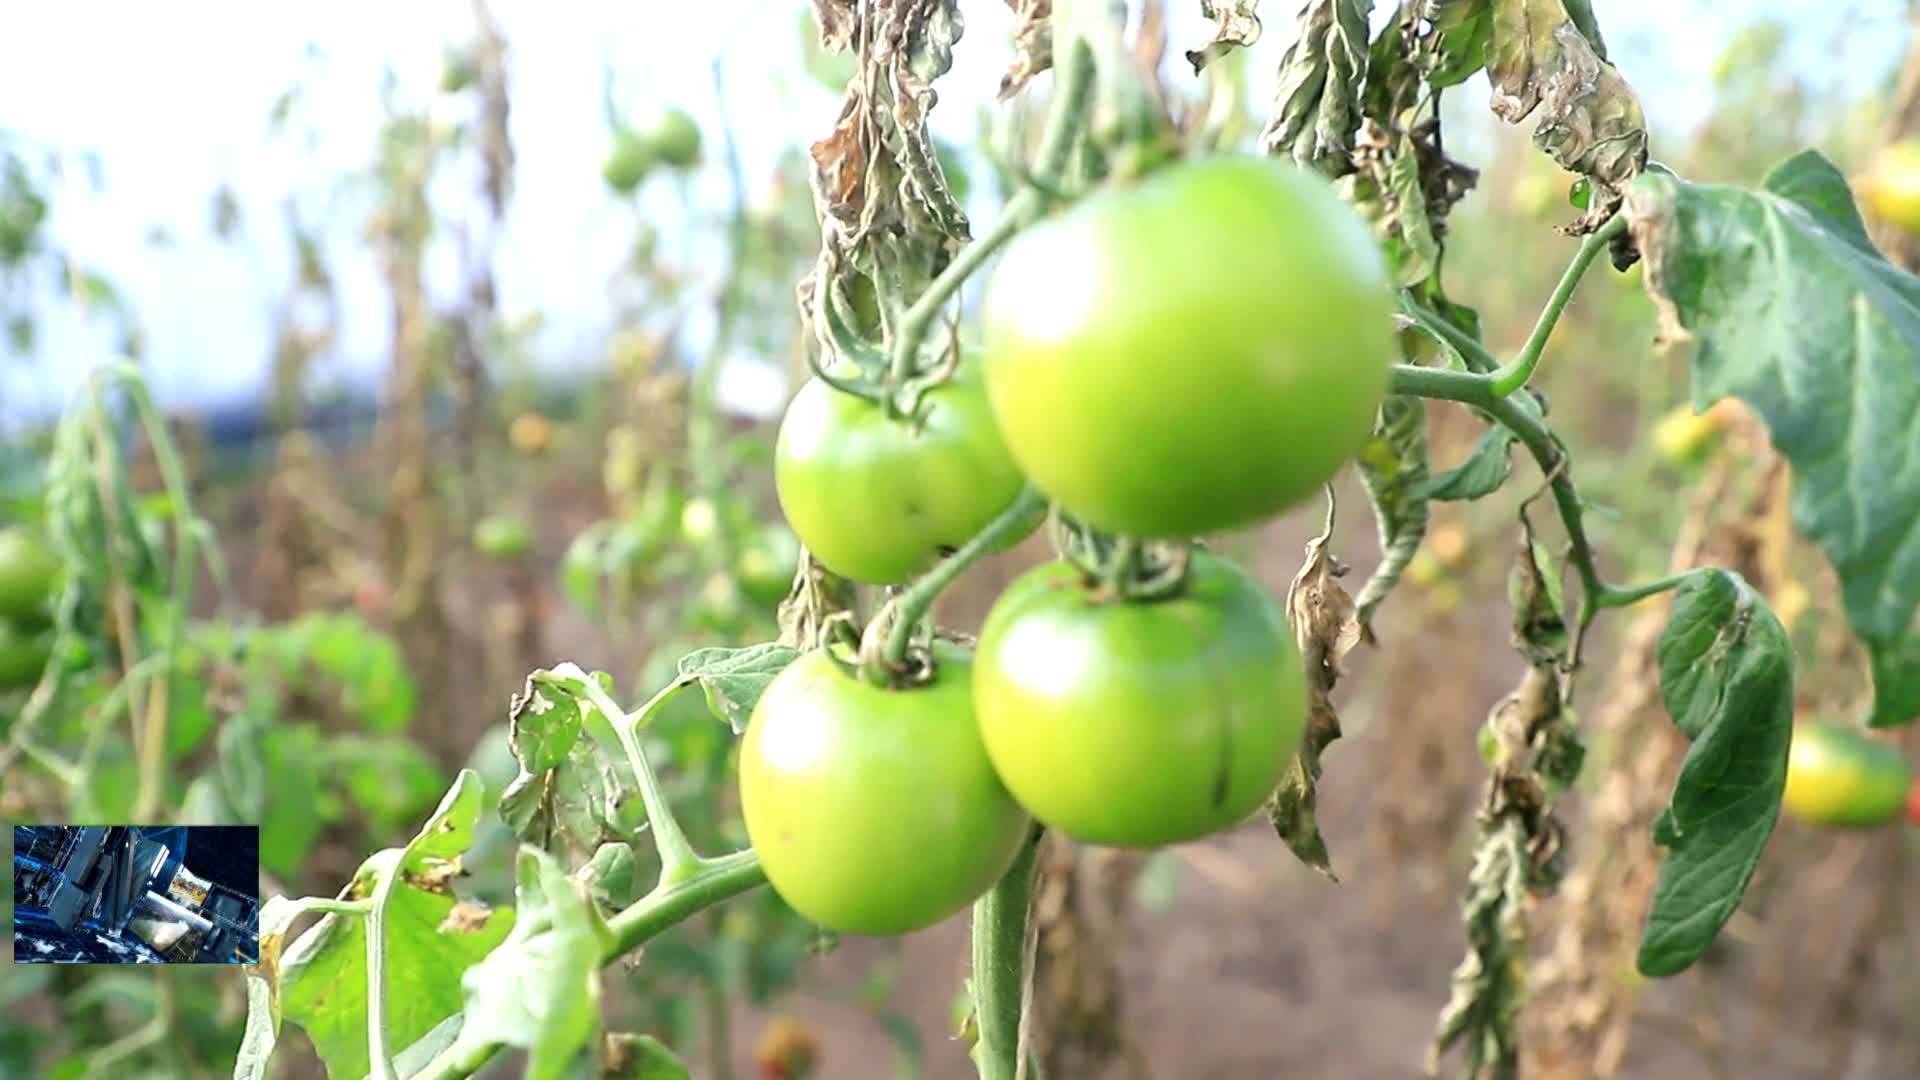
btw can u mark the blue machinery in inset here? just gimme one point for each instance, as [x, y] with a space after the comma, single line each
[110, 874]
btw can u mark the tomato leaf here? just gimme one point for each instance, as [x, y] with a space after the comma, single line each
[1325, 629]
[1796, 314]
[1322, 76]
[1726, 673]
[543, 737]
[540, 989]
[1393, 466]
[1538, 59]
[1481, 474]
[734, 679]
[1465, 27]
[610, 875]
[1234, 26]
[431, 937]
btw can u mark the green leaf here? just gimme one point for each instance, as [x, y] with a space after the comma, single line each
[1796, 314]
[432, 938]
[1726, 672]
[733, 679]
[610, 875]
[1481, 474]
[1465, 27]
[541, 988]
[542, 738]
[641, 1057]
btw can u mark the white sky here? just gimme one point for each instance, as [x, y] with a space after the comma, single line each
[174, 100]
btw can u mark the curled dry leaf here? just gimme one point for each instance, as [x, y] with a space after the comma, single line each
[1316, 108]
[1032, 44]
[1326, 628]
[1590, 119]
[1235, 25]
[879, 192]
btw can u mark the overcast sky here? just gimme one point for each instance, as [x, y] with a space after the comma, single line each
[174, 100]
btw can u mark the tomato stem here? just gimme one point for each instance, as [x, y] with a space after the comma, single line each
[1521, 414]
[912, 605]
[1000, 966]
[1064, 124]
[678, 861]
[1514, 374]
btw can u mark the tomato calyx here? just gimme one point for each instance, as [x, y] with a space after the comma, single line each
[1123, 569]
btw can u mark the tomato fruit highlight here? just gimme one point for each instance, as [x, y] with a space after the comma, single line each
[1139, 723]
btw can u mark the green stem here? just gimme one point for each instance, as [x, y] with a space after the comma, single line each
[1522, 417]
[999, 965]
[678, 860]
[1612, 597]
[1073, 88]
[185, 538]
[1472, 353]
[667, 905]
[1514, 374]
[912, 605]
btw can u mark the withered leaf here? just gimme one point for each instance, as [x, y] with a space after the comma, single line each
[1590, 119]
[1326, 629]
[1316, 108]
[1032, 44]
[1235, 26]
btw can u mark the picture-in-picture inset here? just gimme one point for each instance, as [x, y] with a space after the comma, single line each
[136, 894]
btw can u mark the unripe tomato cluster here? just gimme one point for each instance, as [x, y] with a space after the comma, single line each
[1197, 350]
[671, 139]
[29, 571]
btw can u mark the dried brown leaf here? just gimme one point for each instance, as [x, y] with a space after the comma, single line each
[837, 20]
[1235, 26]
[1326, 628]
[1032, 44]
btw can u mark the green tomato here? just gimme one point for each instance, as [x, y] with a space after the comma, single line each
[766, 564]
[1837, 776]
[629, 162]
[1197, 351]
[875, 810]
[29, 571]
[1139, 723]
[23, 654]
[675, 139]
[881, 500]
[503, 536]
[699, 521]
[1891, 188]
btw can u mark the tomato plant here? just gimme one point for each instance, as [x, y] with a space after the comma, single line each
[880, 499]
[1139, 723]
[1248, 308]
[875, 809]
[1179, 339]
